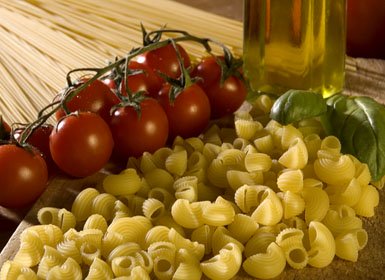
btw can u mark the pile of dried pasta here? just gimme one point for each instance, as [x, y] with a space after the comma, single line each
[244, 200]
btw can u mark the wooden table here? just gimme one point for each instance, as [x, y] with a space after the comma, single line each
[364, 76]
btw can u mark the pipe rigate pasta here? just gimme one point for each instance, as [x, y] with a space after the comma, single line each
[350, 242]
[156, 234]
[186, 187]
[162, 195]
[269, 210]
[266, 265]
[341, 218]
[221, 237]
[89, 252]
[125, 249]
[153, 209]
[246, 129]
[104, 205]
[123, 265]
[293, 204]
[138, 273]
[233, 158]
[219, 213]
[238, 178]
[188, 266]
[259, 242]
[82, 206]
[247, 197]
[132, 228]
[70, 269]
[110, 241]
[313, 144]
[69, 249]
[335, 171]
[160, 155]
[99, 269]
[242, 227]
[322, 245]
[160, 178]
[257, 162]
[264, 143]
[147, 162]
[316, 203]
[186, 214]
[125, 183]
[289, 135]
[345, 194]
[50, 259]
[296, 157]
[225, 264]
[12, 270]
[332, 145]
[290, 180]
[176, 163]
[204, 235]
[368, 201]
[180, 242]
[291, 242]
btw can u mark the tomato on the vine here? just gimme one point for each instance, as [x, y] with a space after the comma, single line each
[23, 174]
[165, 60]
[97, 97]
[148, 81]
[39, 139]
[81, 144]
[5, 129]
[189, 114]
[137, 132]
[225, 98]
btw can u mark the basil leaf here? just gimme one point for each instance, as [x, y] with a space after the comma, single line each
[296, 105]
[359, 123]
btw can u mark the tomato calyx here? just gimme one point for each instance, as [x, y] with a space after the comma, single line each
[131, 100]
[230, 66]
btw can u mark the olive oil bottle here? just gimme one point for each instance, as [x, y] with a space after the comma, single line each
[295, 44]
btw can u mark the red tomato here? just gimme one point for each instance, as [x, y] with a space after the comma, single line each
[134, 134]
[23, 176]
[148, 81]
[39, 139]
[189, 114]
[224, 99]
[165, 60]
[97, 98]
[5, 129]
[366, 28]
[81, 144]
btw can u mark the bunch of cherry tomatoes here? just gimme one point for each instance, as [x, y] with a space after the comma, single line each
[139, 103]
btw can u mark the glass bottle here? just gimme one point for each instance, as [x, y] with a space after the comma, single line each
[295, 44]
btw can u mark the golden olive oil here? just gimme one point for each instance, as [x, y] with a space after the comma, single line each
[295, 44]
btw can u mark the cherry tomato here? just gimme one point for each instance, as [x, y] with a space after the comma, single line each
[81, 144]
[366, 28]
[189, 114]
[137, 133]
[5, 129]
[148, 81]
[39, 139]
[23, 176]
[97, 98]
[224, 98]
[165, 60]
